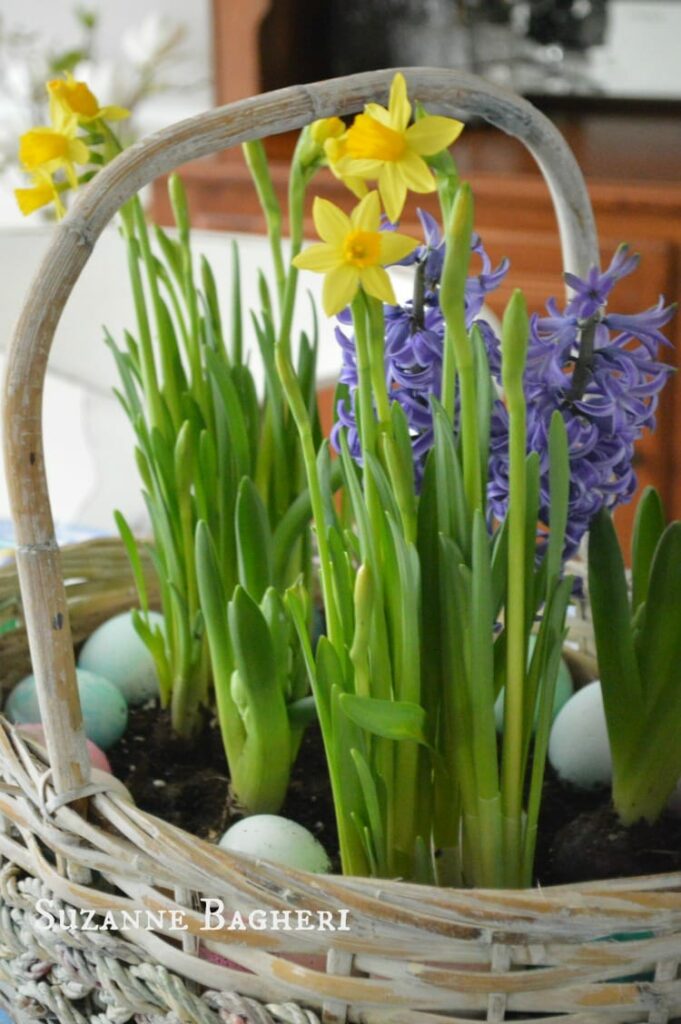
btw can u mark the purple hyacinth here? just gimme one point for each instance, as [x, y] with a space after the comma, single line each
[414, 339]
[601, 370]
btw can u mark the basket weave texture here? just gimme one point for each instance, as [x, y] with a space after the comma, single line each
[412, 954]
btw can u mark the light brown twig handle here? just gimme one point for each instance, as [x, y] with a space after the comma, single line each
[446, 92]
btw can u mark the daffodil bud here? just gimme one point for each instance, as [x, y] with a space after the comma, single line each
[514, 340]
[457, 254]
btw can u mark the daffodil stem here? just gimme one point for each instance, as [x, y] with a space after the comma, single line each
[296, 402]
[452, 292]
[256, 160]
[376, 325]
[458, 343]
[367, 425]
[514, 351]
[297, 186]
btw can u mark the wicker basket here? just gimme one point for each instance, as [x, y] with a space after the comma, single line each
[413, 954]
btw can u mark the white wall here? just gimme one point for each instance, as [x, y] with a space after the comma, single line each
[54, 18]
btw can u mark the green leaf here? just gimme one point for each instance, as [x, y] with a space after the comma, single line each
[374, 808]
[618, 666]
[484, 390]
[132, 551]
[392, 719]
[237, 317]
[234, 417]
[253, 540]
[649, 525]
[453, 515]
[659, 645]
[302, 712]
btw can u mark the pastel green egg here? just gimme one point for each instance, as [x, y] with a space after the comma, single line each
[105, 712]
[271, 837]
[116, 651]
[564, 690]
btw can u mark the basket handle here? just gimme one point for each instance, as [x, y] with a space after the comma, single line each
[452, 93]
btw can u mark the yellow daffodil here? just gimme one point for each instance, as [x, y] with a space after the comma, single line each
[71, 100]
[336, 152]
[353, 252]
[326, 128]
[49, 150]
[43, 192]
[381, 145]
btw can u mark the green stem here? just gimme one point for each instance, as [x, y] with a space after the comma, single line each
[452, 293]
[296, 402]
[514, 350]
[256, 160]
[296, 209]
[376, 324]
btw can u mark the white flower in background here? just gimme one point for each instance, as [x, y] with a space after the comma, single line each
[152, 41]
[111, 81]
[18, 80]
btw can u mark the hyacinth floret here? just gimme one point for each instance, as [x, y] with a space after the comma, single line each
[414, 340]
[601, 370]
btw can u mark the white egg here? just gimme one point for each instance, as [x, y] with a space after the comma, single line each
[116, 651]
[271, 837]
[579, 749]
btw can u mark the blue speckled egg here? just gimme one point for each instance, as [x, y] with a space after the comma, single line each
[116, 651]
[105, 712]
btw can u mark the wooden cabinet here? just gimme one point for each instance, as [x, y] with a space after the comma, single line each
[631, 157]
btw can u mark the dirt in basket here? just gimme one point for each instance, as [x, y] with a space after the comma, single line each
[187, 784]
[580, 837]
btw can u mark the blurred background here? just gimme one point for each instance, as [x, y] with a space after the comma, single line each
[605, 71]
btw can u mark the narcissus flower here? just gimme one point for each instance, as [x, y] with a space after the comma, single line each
[353, 252]
[49, 150]
[381, 145]
[326, 128]
[71, 100]
[43, 192]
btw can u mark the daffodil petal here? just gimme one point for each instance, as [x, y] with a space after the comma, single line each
[399, 106]
[113, 113]
[340, 286]
[358, 168]
[378, 113]
[331, 223]
[393, 191]
[394, 247]
[78, 151]
[376, 282]
[320, 257]
[31, 199]
[367, 215]
[357, 186]
[416, 173]
[432, 134]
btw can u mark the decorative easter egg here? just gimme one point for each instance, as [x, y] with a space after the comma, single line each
[105, 713]
[564, 690]
[579, 749]
[116, 651]
[270, 837]
[98, 758]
